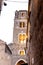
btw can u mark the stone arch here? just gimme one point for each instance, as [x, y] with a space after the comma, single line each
[20, 61]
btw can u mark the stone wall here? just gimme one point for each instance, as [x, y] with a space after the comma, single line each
[5, 57]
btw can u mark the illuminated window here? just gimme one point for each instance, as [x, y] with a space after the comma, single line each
[22, 24]
[22, 38]
[22, 52]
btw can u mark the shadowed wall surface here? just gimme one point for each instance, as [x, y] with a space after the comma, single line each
[0, 4]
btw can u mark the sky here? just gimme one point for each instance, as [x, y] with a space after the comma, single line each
[7, 18]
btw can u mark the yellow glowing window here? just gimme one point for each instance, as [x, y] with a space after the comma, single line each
[22, 38]
[22, 52]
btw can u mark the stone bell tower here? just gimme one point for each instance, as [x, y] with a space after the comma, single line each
[20, 28]
[19, 54]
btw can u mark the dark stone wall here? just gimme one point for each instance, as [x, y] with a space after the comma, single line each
[36, 33]
[0, 5]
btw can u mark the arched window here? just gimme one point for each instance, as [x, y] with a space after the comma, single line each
[22, 38]
[22, 52]
[22, 24]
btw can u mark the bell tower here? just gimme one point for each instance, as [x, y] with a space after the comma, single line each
[20, 28]
[20, 44]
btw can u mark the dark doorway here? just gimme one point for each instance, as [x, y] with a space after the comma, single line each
[20, 62]
[24, 64]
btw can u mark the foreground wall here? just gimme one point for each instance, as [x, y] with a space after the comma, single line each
[0, 5]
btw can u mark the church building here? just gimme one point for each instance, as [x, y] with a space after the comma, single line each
[20, 45]
[17, 53]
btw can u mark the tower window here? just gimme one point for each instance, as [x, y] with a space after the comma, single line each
[22, 14]
[22, 24]
[22, 38]
[22, 52]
